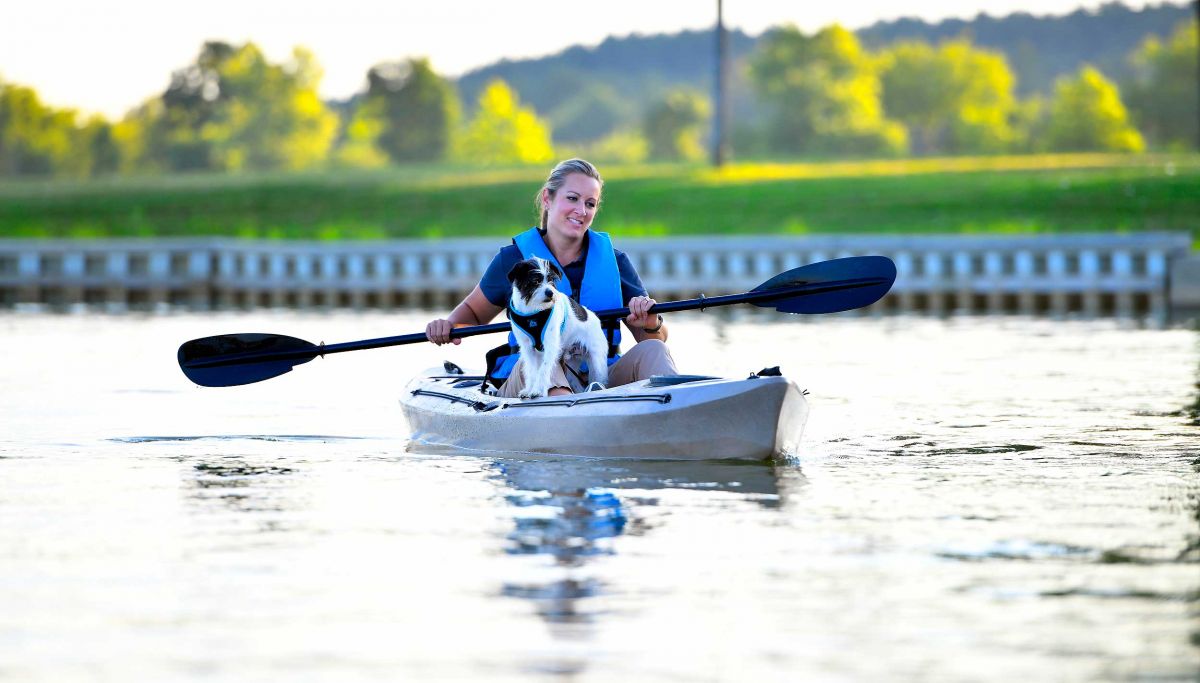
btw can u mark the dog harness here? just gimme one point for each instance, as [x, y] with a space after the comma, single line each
[599, 291]
[534, 325]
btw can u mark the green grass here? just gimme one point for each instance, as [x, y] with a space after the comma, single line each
[1051, 193]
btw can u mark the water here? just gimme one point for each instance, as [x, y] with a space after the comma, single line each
[979, 499]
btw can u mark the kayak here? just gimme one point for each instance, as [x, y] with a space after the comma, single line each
[686, 417]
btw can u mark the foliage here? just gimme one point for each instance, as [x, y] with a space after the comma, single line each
[34, 139]
[1162, 93]
[1087, 114]
[818, 95]
[359, 147]
[1041, 49]
[953, 98]
[1038, 50]
[673, 127]
[233, 110]
[38, 140]
[94, 150]
[575, 87]
[1029, 122]
[503, 132]
[619, 147]
[415, 110]
[824, 90]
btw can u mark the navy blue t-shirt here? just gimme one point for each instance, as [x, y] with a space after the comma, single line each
[495, 285]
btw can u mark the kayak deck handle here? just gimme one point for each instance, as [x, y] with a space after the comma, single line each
[479, 406]
[572, 402]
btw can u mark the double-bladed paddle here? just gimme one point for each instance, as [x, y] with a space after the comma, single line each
[826, 287]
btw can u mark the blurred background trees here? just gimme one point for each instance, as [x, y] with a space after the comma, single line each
[674, 126]
[232, 110]
[419, 110]
[502, 131]
[1087, 114]
[1163, 88]
[904, 87]
[34, 139]
[952, 98]
[824, 95]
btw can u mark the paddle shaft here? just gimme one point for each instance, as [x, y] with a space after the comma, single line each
[700, 303]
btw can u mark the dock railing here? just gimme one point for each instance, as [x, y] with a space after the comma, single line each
[1088, 273]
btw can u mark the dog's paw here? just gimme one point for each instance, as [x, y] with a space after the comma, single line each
[528, 393]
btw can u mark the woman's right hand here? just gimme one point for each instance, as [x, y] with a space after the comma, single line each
[438, 332]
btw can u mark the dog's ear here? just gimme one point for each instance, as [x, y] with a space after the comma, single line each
[520, 269]
[555, 273]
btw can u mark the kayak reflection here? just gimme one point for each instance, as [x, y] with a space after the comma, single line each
[572, 511]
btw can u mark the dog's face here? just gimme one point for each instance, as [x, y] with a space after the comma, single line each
[533, 283]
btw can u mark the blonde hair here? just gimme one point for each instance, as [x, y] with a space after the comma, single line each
[556, 179]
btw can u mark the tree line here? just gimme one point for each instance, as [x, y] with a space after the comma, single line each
[1040, 49]
[819, 94]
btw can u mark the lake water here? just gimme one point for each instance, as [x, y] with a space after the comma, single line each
[976, 499]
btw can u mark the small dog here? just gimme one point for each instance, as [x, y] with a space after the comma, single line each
[550, 326]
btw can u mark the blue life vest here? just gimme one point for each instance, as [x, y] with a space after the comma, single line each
[599, 291]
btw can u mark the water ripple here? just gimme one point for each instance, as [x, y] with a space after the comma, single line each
[299, 438]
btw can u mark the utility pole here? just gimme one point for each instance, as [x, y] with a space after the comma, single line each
[720, 145]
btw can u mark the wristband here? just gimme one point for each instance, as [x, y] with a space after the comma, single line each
[657, 327]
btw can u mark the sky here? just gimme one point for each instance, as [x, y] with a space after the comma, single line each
[107, 56]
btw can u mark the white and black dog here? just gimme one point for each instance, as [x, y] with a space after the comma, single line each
[550, 326]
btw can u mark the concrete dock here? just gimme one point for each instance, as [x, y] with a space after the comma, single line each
[1098, 274]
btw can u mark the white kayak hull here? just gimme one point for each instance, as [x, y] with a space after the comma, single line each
[704, 419]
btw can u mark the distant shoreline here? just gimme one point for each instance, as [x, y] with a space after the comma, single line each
[1010, 194]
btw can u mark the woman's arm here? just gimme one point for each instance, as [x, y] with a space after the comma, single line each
[474, 310]
[639, 320]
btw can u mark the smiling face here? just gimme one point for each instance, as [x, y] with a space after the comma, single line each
[570, 210]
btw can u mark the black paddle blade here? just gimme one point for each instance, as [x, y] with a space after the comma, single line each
[230, 360]
[854, 282]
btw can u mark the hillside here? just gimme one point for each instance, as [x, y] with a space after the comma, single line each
[1040, 49]
[586, 92]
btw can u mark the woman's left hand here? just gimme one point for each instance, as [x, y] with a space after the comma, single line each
[639, 316]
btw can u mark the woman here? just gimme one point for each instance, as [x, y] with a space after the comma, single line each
[597, 275]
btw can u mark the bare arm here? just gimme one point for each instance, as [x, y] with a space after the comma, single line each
[474, 310]
[638, 320]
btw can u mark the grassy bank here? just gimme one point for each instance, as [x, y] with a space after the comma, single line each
[1055, 193]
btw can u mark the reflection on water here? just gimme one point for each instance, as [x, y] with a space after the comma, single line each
[568, 527]
[298, 438]
[244, 487]
[573, 510]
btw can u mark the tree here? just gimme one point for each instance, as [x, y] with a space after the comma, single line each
[175, 136]
[417, 110]
[674, 126]
[359, 146]
[132, 137]
[953, 98]
[824, 91]
[92, 150]
[34, 138]
[502, 131]
[1163, 93]
[234, 110]
[1087, 115]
